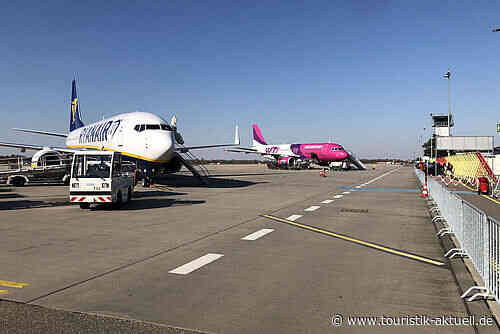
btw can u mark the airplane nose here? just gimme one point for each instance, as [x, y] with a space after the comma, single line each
[344, 154]
[162, 143]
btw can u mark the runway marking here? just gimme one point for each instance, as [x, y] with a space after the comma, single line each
[327, 201]
[485, 196]
[338, 196]
[13, 284]
[346, 192]
[360, 242]
[196, 264]
[3, 291]
[294, 217]
[258, 234]
[357, 187]
[380, 176]
[391, 190]
[312, 208]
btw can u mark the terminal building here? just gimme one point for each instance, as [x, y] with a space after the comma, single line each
[443, 144]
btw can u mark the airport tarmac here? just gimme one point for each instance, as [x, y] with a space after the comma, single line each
[257, 251]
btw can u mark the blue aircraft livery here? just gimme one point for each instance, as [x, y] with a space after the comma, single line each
[75, 121]
[99, 132]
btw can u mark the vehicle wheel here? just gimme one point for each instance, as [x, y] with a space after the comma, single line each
[18, 182]
[84, 205]
[118, 202]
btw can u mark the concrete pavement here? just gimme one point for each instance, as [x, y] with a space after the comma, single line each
[120, 263]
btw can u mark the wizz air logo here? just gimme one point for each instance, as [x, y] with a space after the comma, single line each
[272, 150]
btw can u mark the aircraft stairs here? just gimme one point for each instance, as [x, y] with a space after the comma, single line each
[200, 171]
[355, 161]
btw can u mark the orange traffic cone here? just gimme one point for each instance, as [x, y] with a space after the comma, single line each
[424, 191]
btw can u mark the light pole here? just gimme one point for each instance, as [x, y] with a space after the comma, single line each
[448, 76]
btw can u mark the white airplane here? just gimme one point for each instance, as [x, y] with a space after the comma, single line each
[142, 137]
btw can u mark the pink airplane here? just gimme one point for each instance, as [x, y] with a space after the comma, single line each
[298, 155]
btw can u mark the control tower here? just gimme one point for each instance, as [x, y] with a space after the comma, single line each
[440, 124]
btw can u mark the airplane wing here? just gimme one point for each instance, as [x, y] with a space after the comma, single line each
[187, 148]
[36, 147]
[184, 149]
[242, 150]
[42, 132]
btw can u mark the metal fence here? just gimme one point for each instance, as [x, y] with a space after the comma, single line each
[478, 236]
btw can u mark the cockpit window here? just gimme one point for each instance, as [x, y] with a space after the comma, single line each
[166, 127]
[152, 126]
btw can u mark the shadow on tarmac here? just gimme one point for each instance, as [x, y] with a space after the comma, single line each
[191, 181]
[152, 193]
[25, 204]
[11, 195]
[150, 203]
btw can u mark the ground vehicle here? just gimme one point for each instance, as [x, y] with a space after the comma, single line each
[96, 177]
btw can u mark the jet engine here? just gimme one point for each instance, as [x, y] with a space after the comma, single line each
[173, 166]
[286, 162]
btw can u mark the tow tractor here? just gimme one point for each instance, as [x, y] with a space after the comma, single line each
[97, 178]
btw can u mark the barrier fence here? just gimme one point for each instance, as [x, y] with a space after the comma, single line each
[478, 236]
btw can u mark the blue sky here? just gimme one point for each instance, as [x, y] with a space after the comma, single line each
[365, 74]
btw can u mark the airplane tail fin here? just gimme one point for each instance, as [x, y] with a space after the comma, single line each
[75, 120]
[258, 140]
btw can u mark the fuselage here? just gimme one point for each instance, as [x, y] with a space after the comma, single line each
[320, 152]
[138, 135]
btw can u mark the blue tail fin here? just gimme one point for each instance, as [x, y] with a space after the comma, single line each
[75, 120]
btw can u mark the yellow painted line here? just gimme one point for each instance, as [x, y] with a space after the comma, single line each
[13, 284]
[162, 187]
[3, 291]
[485, 196]
[359, 242]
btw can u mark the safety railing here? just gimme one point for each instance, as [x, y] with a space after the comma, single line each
[478, 236]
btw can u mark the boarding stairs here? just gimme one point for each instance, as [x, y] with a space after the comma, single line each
[355, 161]
[487, 167]
[200, 171]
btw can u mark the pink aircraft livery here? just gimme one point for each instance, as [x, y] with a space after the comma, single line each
[296, 156]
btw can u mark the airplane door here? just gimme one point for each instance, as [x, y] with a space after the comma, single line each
[120, 134]
[147, 140]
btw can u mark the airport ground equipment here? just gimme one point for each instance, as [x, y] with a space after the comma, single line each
[97, 178]
[478, 236]
[48, 168]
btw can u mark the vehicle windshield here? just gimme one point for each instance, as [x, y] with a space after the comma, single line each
[92, 166]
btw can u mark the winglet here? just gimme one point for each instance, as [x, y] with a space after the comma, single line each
[236, 136]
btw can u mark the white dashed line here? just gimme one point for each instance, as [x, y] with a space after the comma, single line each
[258, 234]
[327, 201]
[378, 177]
[196, 264]
[338, 196]
[358, 187]
[294, 217]
[312, 208]
[346, 192]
